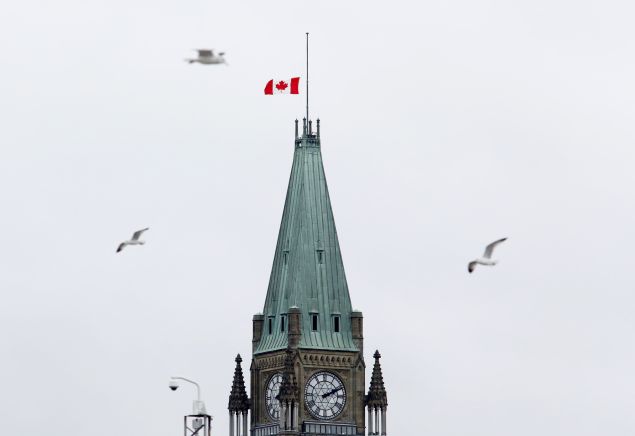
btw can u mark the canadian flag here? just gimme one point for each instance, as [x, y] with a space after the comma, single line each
[283, 86]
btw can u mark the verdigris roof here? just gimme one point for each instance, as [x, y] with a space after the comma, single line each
[307, 267]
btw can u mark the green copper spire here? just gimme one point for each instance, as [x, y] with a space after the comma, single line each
[307, 273]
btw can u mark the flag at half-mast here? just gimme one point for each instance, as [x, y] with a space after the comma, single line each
[284, 86]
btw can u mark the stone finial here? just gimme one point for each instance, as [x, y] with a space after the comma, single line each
[294, 334]
[289, 390]
[377, 397]
[238, 400]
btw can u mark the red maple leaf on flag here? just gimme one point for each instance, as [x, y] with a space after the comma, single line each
[281, 85]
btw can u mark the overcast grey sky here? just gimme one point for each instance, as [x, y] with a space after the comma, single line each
[445, 125]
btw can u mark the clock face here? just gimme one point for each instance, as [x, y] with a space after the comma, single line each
[271, 396]
[324, 395]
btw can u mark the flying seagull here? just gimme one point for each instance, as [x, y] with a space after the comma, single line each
[207, 57]
[486, 259]
[134, 241]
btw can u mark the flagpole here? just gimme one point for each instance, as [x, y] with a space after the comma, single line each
[307, 77]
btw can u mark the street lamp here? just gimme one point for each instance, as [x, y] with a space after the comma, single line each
[198, 406]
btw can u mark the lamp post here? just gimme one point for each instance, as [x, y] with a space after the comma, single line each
[199, 422]
[198, 406]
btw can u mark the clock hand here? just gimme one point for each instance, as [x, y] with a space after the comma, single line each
[331, 392]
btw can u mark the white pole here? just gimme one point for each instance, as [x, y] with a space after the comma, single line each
[283, 416]
[383, 421]
[307, 77]
[376, 422]
[289, 415]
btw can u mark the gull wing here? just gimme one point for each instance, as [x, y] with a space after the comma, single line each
[121, 247]
[471, 266]
[138, 233]
[490, 248]
[205, 53]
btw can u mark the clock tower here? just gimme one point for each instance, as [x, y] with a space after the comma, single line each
[307, 367]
